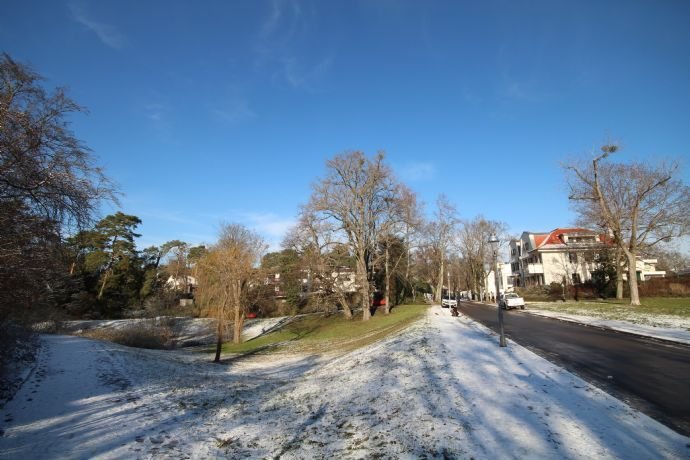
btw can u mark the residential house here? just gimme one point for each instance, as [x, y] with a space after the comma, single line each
[183, 284]
[564, 254]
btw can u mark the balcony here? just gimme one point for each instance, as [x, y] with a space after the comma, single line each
[535, 269]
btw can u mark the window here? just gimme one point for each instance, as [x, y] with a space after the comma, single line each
[576, 278]
[572, 257]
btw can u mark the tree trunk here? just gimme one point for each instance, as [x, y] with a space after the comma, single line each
[219, 340]
[439, 285]
[346, 308]
[219, 329]
[363, 288]
[342, 300]
[619, 274]
[105, 280]
[386, 298]
[238, 326]
[632, 278]
[239, 316]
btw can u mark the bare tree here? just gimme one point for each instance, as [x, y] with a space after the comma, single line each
[317, 244]
[404, 223]
[440, 236]
[42, 164]
[477, 255]
[49, 182]
[357, 196]
[640, 205]
[225, 273]
[671, 259]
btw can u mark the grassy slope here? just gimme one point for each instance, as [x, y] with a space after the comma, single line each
[621, 309]
[334, 333]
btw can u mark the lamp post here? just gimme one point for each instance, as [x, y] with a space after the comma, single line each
[493, 241]
[448, 287]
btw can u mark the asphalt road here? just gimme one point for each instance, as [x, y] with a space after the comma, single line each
[652, 376]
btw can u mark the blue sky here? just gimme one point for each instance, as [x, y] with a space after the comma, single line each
[227, 110]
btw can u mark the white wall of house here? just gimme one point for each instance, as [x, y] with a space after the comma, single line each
[573, 252]
[559, 265]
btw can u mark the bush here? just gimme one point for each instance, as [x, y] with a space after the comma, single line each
[149, 333]
[537, 293]
[18, 349]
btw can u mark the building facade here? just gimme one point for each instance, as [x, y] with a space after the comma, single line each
[564, 255]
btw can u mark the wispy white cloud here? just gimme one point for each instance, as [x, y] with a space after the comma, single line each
[270, 226]
[234, 111]
[304, 76]
[158, 116]
[418, 171]
[108, 34]
[283, 19]
[269, 223]
[279, 34]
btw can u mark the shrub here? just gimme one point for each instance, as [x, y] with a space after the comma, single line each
[149, 333]
[536, 293]
[18, 348]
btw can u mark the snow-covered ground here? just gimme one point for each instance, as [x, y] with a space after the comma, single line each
[186, 331]
[440, 389]
[664, 327]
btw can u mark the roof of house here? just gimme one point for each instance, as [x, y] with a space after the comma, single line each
[555, 236]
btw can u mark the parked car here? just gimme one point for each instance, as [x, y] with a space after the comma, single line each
[449, 302]
[511, 300]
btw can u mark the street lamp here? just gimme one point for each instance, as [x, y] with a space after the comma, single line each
[493, 241]
[449, 287]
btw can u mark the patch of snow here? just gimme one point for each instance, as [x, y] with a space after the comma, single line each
[186, 331]
[678, 334]
[440, 389]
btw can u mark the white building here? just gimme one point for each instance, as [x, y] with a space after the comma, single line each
[185, 284]
[564, 254]
[505, 281]
[646, 269]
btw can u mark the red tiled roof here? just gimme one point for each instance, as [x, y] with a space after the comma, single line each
[553, 237]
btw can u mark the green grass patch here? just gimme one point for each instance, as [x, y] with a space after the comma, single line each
[619, 309]
[323, 334]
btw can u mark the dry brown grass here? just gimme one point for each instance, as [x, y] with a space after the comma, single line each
[153, 334]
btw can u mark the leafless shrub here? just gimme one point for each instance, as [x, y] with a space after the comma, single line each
[153, 334]
[18, 348]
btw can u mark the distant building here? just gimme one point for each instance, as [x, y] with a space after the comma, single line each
[505, 280]
[184, 284]
[646, 269]
[341, 278]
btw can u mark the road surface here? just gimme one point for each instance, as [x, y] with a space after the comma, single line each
[651, 375]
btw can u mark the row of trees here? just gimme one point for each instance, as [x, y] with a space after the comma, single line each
[359, 219]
